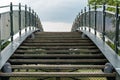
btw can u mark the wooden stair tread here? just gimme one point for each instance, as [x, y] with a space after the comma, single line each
[58, 60]
[68, 51]
[58, 66]
[61, 47]
[69, 44]
[56, 41]
[58, 55]
[57, 74]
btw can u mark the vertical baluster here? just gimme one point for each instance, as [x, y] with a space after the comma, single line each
[89, 18]
[29, 18]
[117, 30]
[26, 18]
[95, 19]
[33, 19]
[19, 19]
[85, 17]
[82, 19]
[104, 14]
[11, 21]
[79, 20]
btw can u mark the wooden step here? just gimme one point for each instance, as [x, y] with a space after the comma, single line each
[55, 61]
[59, 47]
[58, 66]
[57, 33]
[56, 41]
[65, 56]
[57, 74]
[59, 51]
[57, 38]
[54, 44]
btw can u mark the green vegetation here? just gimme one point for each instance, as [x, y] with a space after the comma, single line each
[100, 2]
[108, 2]
[112, 45]
[4, 45]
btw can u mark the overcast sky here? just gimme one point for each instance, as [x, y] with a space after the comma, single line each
[55, 15]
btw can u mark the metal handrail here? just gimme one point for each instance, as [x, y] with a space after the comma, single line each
[33, 19]
[104, 10]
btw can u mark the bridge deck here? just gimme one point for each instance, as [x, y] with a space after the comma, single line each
[58, 54]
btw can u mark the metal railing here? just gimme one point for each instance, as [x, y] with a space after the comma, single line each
[16, 24]
[98, 18]
[15, 19]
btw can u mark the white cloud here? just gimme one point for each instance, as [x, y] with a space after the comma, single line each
[59, 14]
[58, 26]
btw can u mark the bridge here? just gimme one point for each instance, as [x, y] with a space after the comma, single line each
[89, 52]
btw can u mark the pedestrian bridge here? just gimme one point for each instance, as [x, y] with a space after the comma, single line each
[89, 52]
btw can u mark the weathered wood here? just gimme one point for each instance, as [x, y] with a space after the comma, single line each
[59, 47]
[56, 41]
[58, 66]
[55, 44]
[60, 51]
[57, 74]
[57, 33]
[26, 56]
[66, 61]
[60, 38]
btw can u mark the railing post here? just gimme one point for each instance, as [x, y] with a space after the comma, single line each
[19, 19]
[95, 18]
[25, 18]
[33, 19]
[117, 30]
[104, 14]
[89, 18]
[37, 21]
[29, 18]
[85, 17]
[11, 21]
[79, 19]
[82, 19]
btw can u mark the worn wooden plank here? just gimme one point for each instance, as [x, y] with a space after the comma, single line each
[44, 61]
[59, 47]
[57, 74]
[60, 51]
[58, 66]
[60, 38]
[56, 41]
[26, 56]
[54, 44]
[57, 33]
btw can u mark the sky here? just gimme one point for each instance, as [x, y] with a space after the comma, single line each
[55, 15]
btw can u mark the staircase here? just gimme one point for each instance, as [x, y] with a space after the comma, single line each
[57, 56]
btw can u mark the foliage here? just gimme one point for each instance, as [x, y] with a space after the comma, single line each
[108, 2]
[100, 2]
[112, 46]
[4, 45]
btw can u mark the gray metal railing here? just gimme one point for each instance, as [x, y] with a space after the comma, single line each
[16, 25]
[100, 19]
[16, 19]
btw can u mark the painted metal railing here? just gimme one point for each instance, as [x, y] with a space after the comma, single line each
[16, 24]
[15, 19]
[98, 18]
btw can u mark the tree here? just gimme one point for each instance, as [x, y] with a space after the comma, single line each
[109, 2]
